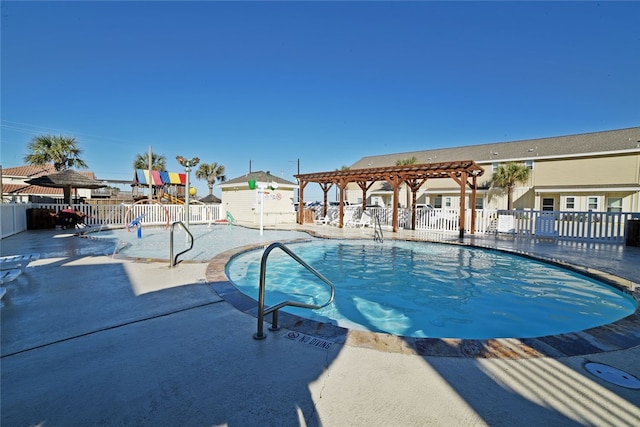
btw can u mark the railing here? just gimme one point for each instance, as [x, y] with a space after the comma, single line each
[274, 309]
[173, 261]
[377, 230]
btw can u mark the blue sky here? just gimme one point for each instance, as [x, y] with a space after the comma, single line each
[323, 82]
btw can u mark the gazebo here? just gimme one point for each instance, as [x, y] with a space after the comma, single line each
[465, 173]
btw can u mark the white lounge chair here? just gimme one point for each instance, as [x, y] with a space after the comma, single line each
[350, 219]
[323, 221]
[364, 221]
[17, 261]
[9, 275]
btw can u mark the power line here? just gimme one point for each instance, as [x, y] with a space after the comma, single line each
[36, 130]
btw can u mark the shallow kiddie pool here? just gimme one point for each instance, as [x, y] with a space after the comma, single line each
[418, 289]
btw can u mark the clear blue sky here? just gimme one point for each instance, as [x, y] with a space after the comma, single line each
[323, 82]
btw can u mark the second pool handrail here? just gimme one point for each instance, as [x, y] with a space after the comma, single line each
[262, 311]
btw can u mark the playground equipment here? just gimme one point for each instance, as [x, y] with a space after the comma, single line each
[137, 222]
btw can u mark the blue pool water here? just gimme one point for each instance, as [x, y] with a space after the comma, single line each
[433, 290]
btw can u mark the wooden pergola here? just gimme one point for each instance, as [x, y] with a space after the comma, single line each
[465, 173]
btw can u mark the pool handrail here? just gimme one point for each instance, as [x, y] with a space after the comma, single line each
[173, 261]
[377, 229]
[262, 311]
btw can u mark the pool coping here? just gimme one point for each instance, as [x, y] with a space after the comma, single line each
[620, 335]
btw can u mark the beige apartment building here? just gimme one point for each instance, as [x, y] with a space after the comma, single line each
[597, 171]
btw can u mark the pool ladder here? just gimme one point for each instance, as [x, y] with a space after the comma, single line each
[173, 261]
[377, 230]
[262, 311]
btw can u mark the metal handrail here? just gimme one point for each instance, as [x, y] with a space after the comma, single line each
[274, 309]
[377, 230]
[173, 261]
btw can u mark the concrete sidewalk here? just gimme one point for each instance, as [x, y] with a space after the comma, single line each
[92, 340]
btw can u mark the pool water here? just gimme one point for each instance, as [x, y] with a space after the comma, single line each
[432, 290]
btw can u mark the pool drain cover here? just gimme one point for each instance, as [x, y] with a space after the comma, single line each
[613, 375]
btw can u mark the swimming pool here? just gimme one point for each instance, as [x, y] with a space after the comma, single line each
[430, 290]
[208, 240]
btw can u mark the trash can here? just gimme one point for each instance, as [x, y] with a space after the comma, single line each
[633, 232]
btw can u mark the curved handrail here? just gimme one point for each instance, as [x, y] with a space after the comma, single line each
[274, 309]
[377, 230]
[173, 261]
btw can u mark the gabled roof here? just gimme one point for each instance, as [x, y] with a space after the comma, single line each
[28, 171]
[258, 176]
[606, 142]
[34, 190]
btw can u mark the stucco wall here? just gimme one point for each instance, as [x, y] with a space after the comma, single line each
[244, 205]
[613, 171]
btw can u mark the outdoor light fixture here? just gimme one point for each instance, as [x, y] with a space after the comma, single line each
[187, 164]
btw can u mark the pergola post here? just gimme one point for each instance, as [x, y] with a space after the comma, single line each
[301, 185]
[342, 184]
[473, 204]
[463, 207]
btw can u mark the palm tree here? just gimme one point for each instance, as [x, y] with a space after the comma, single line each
[507, 176]
[60, 150]
[211, 172]
[158, 162]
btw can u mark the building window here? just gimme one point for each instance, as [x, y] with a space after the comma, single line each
[614, 204]
[592, 203]
[529, 164]
[494, 166]
[447, 202]
[570, 203]
[548, 204]
[437, 202]
[479, 202]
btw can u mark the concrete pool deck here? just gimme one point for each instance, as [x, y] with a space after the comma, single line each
[92, 340]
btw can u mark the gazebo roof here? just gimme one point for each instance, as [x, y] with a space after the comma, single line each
[421, 171]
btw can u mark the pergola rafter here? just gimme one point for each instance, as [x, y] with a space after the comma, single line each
[414, 175]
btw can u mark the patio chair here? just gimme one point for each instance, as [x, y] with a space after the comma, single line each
[363, 221]
[350, 219]
[506, 225]
[322, 221]
[17, 261]
[546, 226]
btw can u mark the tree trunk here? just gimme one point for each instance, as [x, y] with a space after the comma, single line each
[66, 191]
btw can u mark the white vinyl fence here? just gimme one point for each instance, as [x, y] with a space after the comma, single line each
[569, 225]
[589, 226]
[14, 216]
